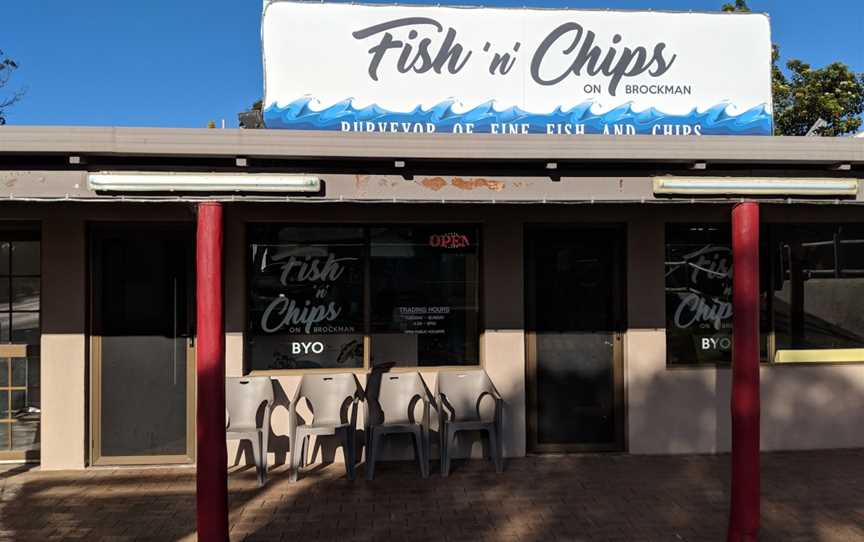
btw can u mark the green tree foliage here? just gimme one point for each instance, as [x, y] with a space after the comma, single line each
[740, 6]
[7, 66]
[834, 93]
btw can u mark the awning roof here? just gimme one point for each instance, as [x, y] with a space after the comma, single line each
[52, 163]
[305, 145]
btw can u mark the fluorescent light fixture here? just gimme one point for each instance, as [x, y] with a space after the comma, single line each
[728, 186]
[201, 182]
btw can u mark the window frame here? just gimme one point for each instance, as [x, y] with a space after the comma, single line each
[12, 351]
[367, 292]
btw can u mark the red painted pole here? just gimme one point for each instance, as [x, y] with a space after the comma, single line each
[744, 509]
[212, 467]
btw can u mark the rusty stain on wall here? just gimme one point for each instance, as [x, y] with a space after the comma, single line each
[433, 183]
[471, 184]
[438, 183]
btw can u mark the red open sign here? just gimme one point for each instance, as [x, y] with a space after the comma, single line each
[449, 240]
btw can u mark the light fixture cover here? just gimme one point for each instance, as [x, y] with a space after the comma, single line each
[735, 186]
[108, 181]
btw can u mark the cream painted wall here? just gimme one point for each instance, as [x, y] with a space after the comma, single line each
[811, 407]
[503, 317]
[686, 409]
[64, 417]
[670, 410]
[63, 376]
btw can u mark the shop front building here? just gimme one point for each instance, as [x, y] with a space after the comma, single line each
[598, 299]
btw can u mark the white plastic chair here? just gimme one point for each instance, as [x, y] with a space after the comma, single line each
[244, 397]
[392, 412]
[459, 395]
[333, 399]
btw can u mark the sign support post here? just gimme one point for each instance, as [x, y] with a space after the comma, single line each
[745, 486]
[212, 471]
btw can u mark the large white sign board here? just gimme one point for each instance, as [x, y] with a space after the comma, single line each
[381, 68]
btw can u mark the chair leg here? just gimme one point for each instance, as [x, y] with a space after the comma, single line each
[494, 451]
[427, 449]
[238, 454]
[372, 453]
[257, 453]
[256, 456]
[304, 450]
[367, 443]
[450, 438]
[348, 452]
[442, 447]
[420, 452]
[265, 435]
[297, 453]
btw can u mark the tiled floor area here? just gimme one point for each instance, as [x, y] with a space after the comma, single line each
[807, 496]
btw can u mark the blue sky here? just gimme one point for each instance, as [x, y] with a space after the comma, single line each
[182, 63]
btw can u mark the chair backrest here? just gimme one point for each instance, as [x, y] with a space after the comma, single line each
[397, 396]
[461, 391]
[328, 395]
[243, 399]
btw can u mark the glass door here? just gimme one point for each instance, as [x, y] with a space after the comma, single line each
[141, 348]
[575, 316]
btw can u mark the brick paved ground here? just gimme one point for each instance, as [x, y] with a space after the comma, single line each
[809, 496]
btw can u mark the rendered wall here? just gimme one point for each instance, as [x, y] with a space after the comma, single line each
[670, 410]
[686, 409]
[64, 429]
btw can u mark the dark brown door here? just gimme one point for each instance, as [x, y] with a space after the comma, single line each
[575, 315]
[141, 347]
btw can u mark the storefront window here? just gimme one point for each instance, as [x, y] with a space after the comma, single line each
[818, 286]
[20, 404]
[424, 295]
[811, 284]
[698, 293]
[306, 299]
[320, 296]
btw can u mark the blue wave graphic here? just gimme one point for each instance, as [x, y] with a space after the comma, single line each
[298, 115]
